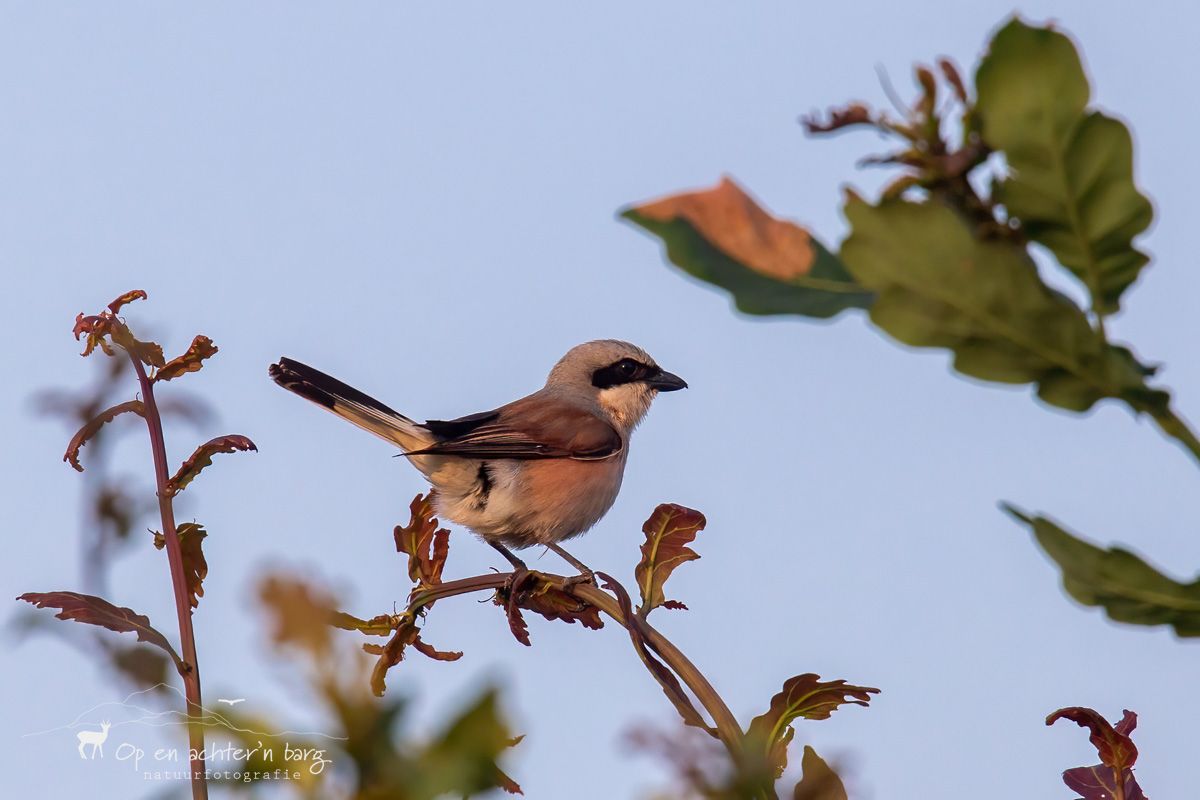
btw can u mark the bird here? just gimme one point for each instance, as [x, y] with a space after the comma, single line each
[537, 471]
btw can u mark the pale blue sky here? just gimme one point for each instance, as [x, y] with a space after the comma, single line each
[420, 199]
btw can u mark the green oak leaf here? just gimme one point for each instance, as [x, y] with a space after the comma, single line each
[1071, 183]
[1125, 586]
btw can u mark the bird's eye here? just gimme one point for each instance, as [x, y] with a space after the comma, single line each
[627, 367]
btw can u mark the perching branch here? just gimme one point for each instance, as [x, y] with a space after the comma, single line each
[758, 755]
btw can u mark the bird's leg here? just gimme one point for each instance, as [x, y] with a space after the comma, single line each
[585, 573]
[508, 554]
[517, 577]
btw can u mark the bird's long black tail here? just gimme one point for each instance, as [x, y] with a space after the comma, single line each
[349, 403]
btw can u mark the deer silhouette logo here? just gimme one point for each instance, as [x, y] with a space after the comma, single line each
[95, 739]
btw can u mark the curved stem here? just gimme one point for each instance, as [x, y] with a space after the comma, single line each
[1172, 425]
[190, 672]
[728, 729]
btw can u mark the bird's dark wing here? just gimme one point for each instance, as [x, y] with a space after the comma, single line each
[530, 428]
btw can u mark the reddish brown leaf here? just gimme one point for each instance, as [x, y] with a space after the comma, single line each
[1099, 782]
[429, 650]
[516, 622]
[90, 428]
[116, 305]
[950, 71]
[191, 361]
[553, 603]
[195, 568]
[390, 654]
[804, 696]
[96, 328]
[202, 458]
[98, 611]
[668, 532]
[852, 114]
[423, 542]
[1115, 747]
[729, 219]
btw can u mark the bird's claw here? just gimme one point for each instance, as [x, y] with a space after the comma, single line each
[586, 577]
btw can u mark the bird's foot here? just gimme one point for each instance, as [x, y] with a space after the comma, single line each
[516, 581]
[586, 577]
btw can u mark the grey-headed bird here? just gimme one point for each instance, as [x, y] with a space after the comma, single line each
[536, 471]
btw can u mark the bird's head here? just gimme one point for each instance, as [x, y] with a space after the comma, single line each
[619, 377]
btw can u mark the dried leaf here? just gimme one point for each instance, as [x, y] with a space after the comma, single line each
[423, 542]
[90, 429]
[804, 696]
[668, 531]
[191, 361]
[202, 458]
[820, 782]
[116, 305]
[98, 611]
[195, 568]
[769, 265]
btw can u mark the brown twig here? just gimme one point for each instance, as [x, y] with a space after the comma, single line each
[726, 725]
[190, 670]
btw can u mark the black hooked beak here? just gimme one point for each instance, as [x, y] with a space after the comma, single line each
[667, 382]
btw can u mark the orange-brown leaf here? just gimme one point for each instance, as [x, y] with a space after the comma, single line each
[149, 353]
[426, 649]
[96, 328]
[390, 654]
[423, 542]
[191, 361]
[203, 456]
[98, 611]
[90, 428]
[299, 613]
[668, 532]
[731, 221]
[116, 305]
[804, 696]
[195, 568]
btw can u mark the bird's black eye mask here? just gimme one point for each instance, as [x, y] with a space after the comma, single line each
[627, 370]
